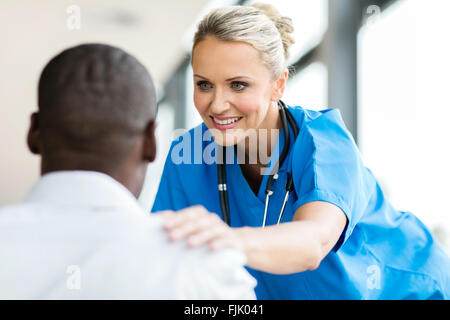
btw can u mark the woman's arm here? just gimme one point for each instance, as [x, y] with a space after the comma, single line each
[295, 246]
[290, 247]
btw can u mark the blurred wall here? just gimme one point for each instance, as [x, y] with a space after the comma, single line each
[32, 32]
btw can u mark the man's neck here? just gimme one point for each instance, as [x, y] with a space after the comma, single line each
[125, 174]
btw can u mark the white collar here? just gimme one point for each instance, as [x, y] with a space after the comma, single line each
[81, 188]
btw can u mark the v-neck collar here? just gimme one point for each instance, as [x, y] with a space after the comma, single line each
[238, 174]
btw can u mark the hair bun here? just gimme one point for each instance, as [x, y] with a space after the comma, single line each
[284, 24]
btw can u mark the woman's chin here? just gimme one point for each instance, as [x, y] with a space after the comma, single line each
[226, 139]
[223, 141]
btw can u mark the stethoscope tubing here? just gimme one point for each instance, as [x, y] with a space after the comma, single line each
[286, 119]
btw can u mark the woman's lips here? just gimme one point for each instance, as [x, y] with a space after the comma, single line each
[220, 122]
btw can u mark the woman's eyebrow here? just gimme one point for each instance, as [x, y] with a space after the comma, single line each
[230, 79]
[197, 75]
[238, 77]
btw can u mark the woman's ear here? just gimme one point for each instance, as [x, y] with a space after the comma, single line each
[280, 85]
[33, 137]
[149, 149]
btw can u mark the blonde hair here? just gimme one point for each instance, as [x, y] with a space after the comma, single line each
[259, 25]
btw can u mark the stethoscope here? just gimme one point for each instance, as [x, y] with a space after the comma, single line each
[286, 119]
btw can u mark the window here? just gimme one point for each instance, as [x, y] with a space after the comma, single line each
[164, 132]
[310, 19]
[193, 118]
[404, 108]
[308, 89]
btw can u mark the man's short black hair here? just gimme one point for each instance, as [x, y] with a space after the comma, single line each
[94, 98]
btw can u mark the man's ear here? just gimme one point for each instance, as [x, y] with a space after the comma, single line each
[280, 85]
[149, 150]
[33, 138]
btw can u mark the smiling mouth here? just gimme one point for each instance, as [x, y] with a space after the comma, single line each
[226, 121]
[224, 124]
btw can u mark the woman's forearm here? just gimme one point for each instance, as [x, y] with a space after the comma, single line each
[282, 249]
[287, 248]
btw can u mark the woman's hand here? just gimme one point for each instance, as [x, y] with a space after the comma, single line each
[199, 227]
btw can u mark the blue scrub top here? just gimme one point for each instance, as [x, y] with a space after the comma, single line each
[382, 253]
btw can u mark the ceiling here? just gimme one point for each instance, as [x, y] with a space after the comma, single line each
[34, 31]
[151, 30]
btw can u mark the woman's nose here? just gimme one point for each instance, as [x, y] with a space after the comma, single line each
[219, 103]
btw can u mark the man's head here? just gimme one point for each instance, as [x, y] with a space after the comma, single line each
[97, 109]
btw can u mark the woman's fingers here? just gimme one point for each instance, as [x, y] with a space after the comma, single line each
[204, 236]
[181, 217]
[199, 227]
[222, 243]
[182, 224]
[189, 228]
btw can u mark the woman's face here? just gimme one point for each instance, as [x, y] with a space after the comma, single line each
[233, 89]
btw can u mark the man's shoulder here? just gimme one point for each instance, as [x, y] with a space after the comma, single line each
[16, 211]
[134, 246]
[105, 224]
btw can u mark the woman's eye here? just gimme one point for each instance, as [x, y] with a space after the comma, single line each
[238, 86]
[203, 85]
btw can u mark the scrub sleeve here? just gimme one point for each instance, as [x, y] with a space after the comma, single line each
[327, 167]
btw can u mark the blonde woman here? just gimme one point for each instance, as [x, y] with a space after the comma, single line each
[312, 220]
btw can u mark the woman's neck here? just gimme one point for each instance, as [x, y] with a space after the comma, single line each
[261, 146]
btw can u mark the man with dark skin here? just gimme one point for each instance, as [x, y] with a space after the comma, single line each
[115, 92]
[80, 233]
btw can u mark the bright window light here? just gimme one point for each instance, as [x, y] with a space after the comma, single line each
[404, 107]
[308, 89]
[310, 20]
